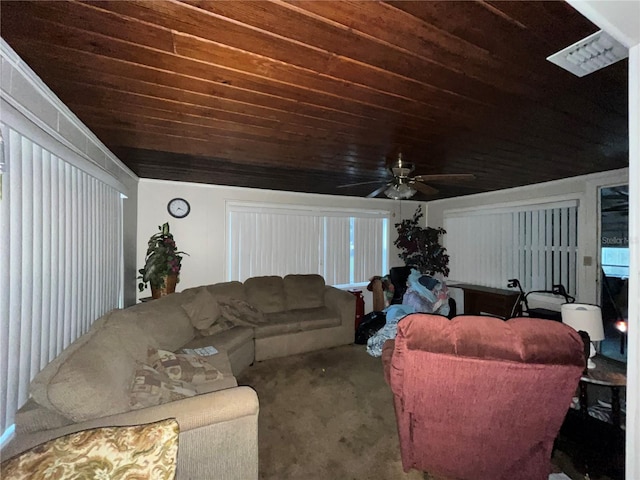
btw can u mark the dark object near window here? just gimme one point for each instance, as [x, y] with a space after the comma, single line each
[371, 323]
[398, 276]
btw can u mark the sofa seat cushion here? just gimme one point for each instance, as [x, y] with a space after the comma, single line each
[229, 340]
[266, 293]
[304, 291]
[299, 320]
[33, 417]
[220, 361]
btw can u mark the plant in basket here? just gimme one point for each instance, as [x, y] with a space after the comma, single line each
[162, 263]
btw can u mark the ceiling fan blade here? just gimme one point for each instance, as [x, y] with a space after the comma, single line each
[359, 183]
[422, 188]
[445, 177]
[377, 192]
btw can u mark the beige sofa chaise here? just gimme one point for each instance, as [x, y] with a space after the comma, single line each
[89, 384]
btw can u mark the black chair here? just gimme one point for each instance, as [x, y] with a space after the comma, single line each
[398, 277]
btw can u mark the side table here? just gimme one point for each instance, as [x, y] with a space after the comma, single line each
[605, 375]
[596, 446]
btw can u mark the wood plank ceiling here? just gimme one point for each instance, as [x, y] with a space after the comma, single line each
[306, 96]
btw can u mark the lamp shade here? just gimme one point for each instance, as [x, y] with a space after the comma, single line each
[585, 317]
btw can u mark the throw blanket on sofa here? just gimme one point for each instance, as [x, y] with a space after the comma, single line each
[424, 294]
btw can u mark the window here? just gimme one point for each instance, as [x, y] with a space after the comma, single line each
[345, 246]
[61, 236]
[615, 261]
[537, 244]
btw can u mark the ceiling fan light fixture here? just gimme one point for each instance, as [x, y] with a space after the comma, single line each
[400, 191]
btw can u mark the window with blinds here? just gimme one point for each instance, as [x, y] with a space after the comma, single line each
[345, 246]
[61, 257]
[536, 244]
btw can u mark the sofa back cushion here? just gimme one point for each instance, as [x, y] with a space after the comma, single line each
[517, 340]
[266, 293]
[95, 379]
[164, 320]
[227, 290]
[40, 383]
[304, 291]
[201, 307]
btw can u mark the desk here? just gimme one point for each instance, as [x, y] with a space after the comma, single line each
[486, 300]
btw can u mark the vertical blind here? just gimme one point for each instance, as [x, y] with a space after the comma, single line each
[345, 247]
[61, 235]
[536, 245]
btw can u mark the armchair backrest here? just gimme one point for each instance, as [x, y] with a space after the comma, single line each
[480, 398]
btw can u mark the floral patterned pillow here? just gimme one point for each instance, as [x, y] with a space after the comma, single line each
[141, 451]
[181, 366]
[151, 387]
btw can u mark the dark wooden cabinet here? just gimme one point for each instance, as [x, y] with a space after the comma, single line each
[479, 300]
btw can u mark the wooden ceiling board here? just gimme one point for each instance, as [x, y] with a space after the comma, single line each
[308, 95]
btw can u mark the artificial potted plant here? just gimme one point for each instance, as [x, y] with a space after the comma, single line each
[420, 247]
[162, 264]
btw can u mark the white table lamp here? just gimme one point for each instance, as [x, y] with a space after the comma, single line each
[585, 317]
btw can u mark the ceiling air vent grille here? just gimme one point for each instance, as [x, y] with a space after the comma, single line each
[590, 54]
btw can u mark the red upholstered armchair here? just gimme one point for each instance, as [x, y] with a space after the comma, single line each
[478, 398]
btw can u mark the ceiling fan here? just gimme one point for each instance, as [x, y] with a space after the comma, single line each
[402, 185]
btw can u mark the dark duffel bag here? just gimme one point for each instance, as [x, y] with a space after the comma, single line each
[370, 324]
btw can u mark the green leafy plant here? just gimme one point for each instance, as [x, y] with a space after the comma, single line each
[162, 259]
[420, 246]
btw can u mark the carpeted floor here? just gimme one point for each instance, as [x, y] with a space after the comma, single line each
[329, 415]
[325, 415]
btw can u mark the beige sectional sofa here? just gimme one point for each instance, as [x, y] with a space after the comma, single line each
[90, 383]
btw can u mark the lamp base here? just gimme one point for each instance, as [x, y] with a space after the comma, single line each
[591, 364]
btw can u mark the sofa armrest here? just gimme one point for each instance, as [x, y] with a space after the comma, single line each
[218, 433]
[341, 302]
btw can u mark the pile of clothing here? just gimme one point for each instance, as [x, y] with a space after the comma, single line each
[425, 294]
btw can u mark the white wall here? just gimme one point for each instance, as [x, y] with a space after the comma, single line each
[202, 233]
[583, 188]
[633, 353]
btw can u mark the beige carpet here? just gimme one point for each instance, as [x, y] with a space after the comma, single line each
[329, 415]
[326, 415]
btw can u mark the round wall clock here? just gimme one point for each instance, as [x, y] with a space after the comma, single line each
[178, 208]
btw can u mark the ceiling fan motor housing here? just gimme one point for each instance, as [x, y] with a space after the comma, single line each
[401, 169]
